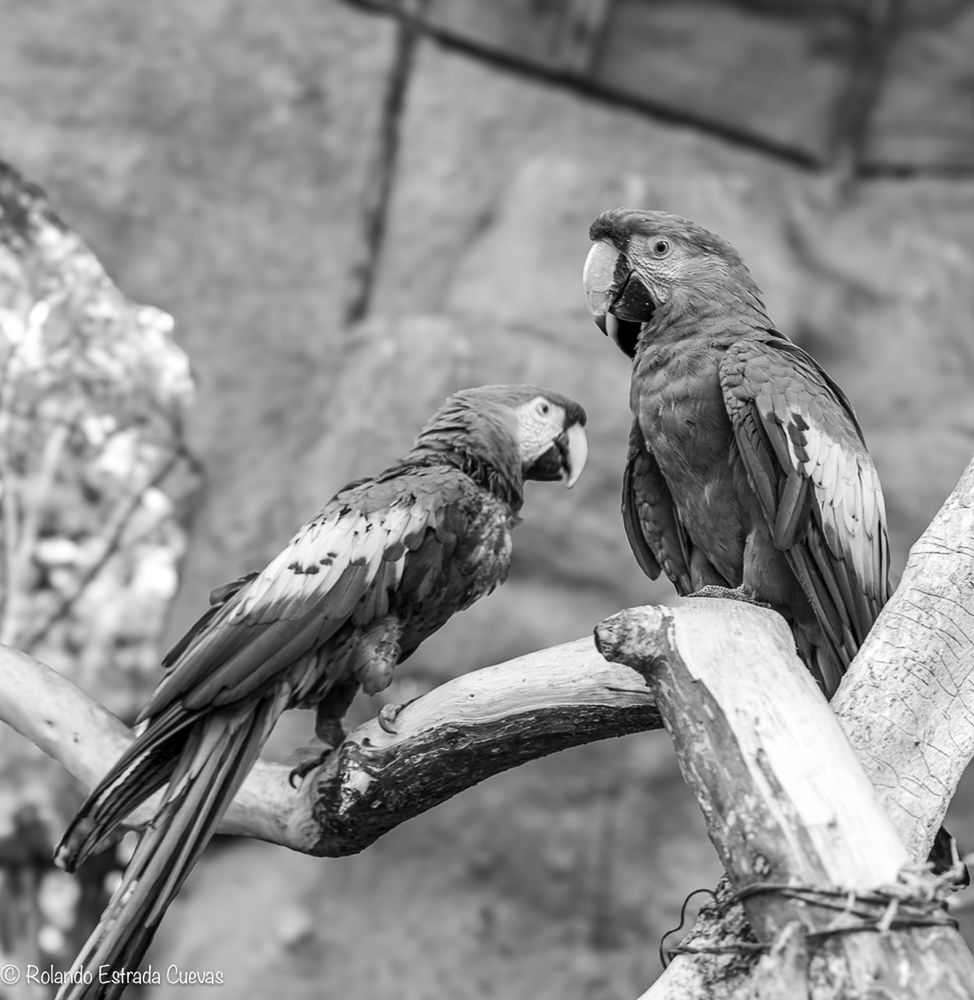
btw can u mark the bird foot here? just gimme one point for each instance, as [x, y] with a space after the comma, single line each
[387, 718]
[311, 762]
[728, 594]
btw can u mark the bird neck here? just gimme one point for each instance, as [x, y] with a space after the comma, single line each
[717, 309]
[499, 478]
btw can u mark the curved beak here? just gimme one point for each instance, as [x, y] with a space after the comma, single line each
[573, 445]
[616, 296]
[564, 458]
[599, 279]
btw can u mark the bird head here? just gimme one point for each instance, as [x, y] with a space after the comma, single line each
[519, 431]
[550, 435]
[641, 261]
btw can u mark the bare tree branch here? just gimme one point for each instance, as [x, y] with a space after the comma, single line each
[745, 715]
[906, 705]
[788, 803]
[907, 708]
[462, 732]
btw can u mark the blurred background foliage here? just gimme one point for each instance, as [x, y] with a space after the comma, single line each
[349, 210]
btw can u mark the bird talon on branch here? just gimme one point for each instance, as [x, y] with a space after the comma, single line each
[729, 594]
[387, 717]
[300, 771]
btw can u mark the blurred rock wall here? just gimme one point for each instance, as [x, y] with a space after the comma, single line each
[221, 158]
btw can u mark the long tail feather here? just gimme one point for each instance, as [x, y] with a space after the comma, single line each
[139, 773]
[219, 751]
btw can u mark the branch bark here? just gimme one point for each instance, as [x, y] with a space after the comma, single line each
[462, 732]
[906, 706]
[787, 801]
[907, 703]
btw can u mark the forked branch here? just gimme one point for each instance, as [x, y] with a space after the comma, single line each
[907, 708]
[906, 705]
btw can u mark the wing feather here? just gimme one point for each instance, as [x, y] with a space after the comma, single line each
[656, 536]
[815, 482]
[343, 564]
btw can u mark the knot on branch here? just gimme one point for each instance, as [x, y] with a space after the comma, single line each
[637, 637]
[918, 898]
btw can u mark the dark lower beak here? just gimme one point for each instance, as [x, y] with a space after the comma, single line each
[564, 460]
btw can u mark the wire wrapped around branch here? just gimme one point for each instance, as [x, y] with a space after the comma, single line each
[918, 899]
[907, 708]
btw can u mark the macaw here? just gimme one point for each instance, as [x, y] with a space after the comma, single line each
[381, 567]
[747, 472]
[746, 466]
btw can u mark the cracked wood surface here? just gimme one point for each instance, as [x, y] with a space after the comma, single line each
[906, 707]
[785, 797]
[782, 790]
[908, 701]
[909, 719]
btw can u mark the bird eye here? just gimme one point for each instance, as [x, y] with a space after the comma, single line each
[544, 407]
[661, 248]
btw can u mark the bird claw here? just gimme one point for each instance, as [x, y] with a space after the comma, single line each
[729, 594]
[300, 771]
[387, 718]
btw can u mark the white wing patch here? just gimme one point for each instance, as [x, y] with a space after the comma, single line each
[315, 559]
[848, 495]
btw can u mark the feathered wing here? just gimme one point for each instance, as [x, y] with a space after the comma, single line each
[816, 484]
[227, 681]
[656, 536]
[266, 629]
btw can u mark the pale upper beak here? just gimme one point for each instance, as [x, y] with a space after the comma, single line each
[575, 454]
[599, 279]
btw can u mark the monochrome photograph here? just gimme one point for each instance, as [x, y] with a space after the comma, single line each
[487, 500]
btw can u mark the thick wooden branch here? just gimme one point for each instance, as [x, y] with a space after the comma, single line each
[905, 705]
[779, 783]
[460, 733]
[784, 795]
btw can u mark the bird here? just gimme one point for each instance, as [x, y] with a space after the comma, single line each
[381, 567]
[747, 469]
[747, 473]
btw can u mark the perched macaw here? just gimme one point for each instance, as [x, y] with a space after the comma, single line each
[379, 569]
[747, 469]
